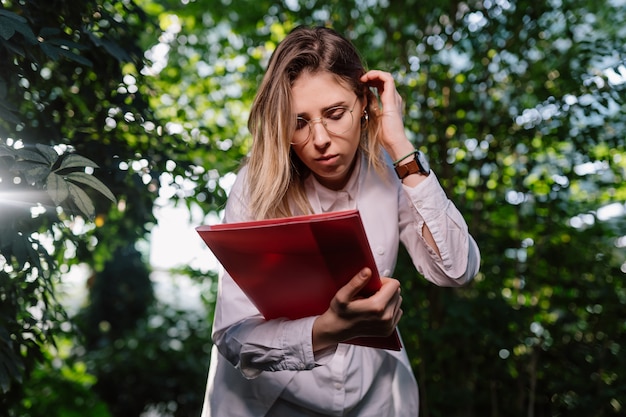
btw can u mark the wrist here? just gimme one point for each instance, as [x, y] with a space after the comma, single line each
[400, 150]
[404, 158]
[414, 162]
[322, 337]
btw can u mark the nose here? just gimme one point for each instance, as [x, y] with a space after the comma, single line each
[320, 136]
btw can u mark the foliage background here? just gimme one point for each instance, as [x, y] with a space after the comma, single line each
[519, 105]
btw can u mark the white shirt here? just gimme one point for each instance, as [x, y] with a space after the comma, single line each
[261, 367]
[352, 384]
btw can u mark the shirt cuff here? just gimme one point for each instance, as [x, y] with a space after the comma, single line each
[292, 350]
[428, 197]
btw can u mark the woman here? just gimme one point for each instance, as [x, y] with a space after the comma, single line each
[322, 141]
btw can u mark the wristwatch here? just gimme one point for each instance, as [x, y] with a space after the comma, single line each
[419, 165]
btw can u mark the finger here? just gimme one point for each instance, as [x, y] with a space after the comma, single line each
[385, 299]
[390, 284]
[398, 311]
[393, 311]
[351, 290]
[376, 75]
[381, 80]
[390, 99]
[397, 317]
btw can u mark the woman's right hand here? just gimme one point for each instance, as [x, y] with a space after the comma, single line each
[350, 315]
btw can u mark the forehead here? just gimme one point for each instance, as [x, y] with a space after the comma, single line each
[313, 92]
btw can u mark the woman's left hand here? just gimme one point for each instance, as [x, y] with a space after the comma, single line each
[392, 133]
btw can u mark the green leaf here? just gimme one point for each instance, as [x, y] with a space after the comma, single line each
[10, 22]
[12, 16]
[33, 172]
[5, 382]
[57, 188]
[48, 32]
[31, 156]
[112, 48]
[7, 151]
[11, 366]
[82, 201]
[36, 174]
[50, 50]
[6, 29]
[67, 43]
[75, 57]
[48, 152]
[74, 161]
[93, 182]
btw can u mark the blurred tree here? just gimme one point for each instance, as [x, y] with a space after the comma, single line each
[120, 295]
[519, 105]
[49, 51]
[71, 76]
[56, 388]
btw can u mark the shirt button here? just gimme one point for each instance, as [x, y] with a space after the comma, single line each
[337, 385]
[386, 273]
[380, 250]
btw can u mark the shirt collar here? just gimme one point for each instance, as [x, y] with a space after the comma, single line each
[331, 200]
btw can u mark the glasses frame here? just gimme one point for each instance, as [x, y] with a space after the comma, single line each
[323, 122]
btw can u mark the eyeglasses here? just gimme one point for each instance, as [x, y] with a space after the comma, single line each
[336, 120]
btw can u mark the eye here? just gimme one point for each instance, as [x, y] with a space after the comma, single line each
[301, 123]
[335, 113]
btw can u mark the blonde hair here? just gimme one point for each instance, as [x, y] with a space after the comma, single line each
[275, 180]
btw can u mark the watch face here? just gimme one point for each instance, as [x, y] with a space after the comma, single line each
[423, 162]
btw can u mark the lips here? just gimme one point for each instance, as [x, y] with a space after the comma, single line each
[325, 158]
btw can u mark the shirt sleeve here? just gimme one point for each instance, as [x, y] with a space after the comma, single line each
[427, 204]
[254, 345]
[240, 332]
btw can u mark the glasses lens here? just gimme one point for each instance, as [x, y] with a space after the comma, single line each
[337, 121]
[302, 132]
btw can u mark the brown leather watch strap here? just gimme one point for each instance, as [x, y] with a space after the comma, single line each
[407, 169]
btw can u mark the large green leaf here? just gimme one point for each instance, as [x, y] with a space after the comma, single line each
[75, 57]
[49, 32]
[11, 365]
[110, 46]
[48, 152]
[11, 23]
[55, 48]
[12, 16]
[33, 172]
[7, 151]
[75, 161]
[7, 30]
[90, 180]
[51, 51]
[82, 201]
[30, 155]
[57, 188]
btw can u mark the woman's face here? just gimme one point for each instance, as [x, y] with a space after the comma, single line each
[328, 143]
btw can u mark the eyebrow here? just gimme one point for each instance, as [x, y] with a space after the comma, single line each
[341, 103]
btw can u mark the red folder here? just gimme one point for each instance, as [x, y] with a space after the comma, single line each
[292, 267]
